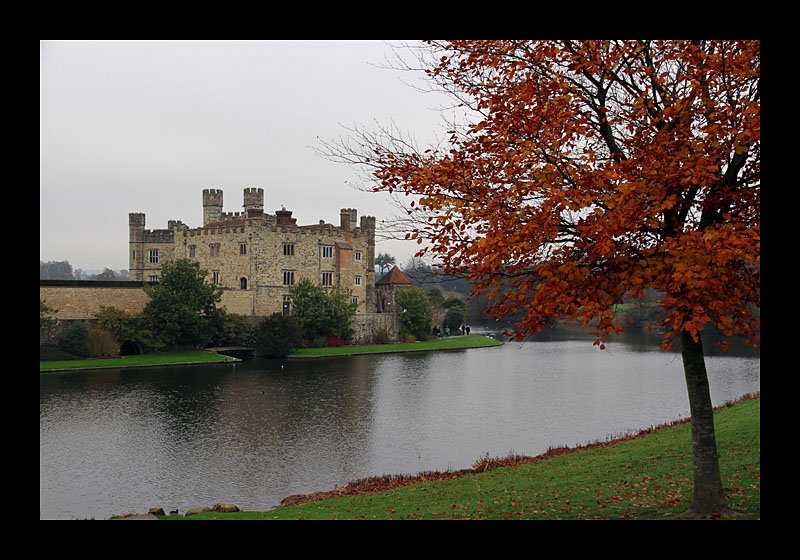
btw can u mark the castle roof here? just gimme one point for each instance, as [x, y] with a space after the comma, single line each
[394, 276]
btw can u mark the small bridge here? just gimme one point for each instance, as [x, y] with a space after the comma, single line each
[234, 351]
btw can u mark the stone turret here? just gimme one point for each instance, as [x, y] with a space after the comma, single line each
[387, 287]
[368, 229]
[253, 202]
[212, 205]
[136, 223]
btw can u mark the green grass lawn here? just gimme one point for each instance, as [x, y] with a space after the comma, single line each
[448, 343]
[644, 477]
[171, 358]
[198, 356]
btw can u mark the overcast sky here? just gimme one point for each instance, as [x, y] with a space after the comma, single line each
[146, 126]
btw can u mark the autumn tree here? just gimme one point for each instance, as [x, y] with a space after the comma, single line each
[589, 172]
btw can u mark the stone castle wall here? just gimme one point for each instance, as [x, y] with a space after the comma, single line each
[367, 325]
[77, 299]
[262, 254]
[81, 300]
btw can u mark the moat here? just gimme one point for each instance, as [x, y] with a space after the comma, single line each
[119, 441]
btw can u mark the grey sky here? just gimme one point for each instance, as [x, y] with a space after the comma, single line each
[146, 126]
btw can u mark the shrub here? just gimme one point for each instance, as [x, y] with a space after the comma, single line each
[317, 342]
[416, 315]
[101, 342]
[454, 318]
[131, 331]
[381, 336]
[333, 341]
[51, 352]
[322, 312]
[407, 338]
[75, 340]
[228, 329]
[277, 336]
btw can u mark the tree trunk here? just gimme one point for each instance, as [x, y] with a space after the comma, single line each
[708, 497]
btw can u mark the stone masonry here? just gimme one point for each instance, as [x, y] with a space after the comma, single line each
[256, 257]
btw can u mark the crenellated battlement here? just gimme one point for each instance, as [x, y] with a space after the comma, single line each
[254, 195]
[368, 223]
[158, 236]
[233, 215]
[136, 219]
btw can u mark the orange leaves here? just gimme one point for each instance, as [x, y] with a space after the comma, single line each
[597, 171]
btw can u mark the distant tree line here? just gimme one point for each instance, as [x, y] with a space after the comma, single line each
[62, 270]
[643, 312]
[424, 275]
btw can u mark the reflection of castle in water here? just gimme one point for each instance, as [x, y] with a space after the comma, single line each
[326, 420]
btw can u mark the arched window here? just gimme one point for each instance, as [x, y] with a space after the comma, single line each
[243, 283]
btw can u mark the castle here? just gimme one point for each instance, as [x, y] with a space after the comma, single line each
[256, 257]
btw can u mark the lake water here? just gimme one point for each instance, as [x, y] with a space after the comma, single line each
[119, 441]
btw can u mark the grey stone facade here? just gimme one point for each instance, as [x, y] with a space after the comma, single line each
[256, 256]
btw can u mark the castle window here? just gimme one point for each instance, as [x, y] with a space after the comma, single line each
[288, 277]
[153, 279]
[327, 251]
[154, 256]
[327, 278]
[358, 255]
[214, 249]
[358, 280]
[242, 248]
[288, 249]
[215, 276]
[355, 300]
[192, 251]
[243, 283]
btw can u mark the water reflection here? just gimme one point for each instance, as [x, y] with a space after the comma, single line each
[118, 441]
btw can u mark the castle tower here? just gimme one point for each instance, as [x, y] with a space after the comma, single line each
[253, 202]
[387, 287]
[368, 229]
[212, 206]
[136, 222]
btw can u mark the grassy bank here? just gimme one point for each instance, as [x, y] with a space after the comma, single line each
[199, 356]
[171, 358]
[647, 476]
[448, 343]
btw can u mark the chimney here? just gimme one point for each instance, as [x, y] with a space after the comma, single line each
[344, 220]
[285, 217]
